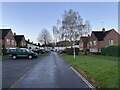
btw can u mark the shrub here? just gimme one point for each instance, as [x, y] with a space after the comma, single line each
[4, 51]
[112, 50]
[71, 51]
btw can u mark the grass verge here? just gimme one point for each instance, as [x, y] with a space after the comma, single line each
[44, 54]
[5, 57]
[100, 70]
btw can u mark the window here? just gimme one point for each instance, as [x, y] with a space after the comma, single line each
[23, 50]
[8, 41]
[111, 42]
[81, 44]
[90, 43]
[12, 42]
[94, 43]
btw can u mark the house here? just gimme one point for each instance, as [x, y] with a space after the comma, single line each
[20, 40]
[61, 45]
[31, 45]
[7, 39]
[83, 44]
[99, 39]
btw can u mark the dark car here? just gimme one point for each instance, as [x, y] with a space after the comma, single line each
[22, 52]
[42, 51]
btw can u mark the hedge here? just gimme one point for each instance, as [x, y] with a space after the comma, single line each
[4, 51]
[112, 50]
[71, 51]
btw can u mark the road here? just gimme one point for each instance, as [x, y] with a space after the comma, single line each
[50, 72]
[12, 70]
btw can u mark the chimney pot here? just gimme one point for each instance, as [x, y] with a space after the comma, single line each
[103, 29]
[14, 34]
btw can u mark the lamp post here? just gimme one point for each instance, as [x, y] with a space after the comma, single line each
[74, 49]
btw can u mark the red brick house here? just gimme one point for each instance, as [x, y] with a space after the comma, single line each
[83, 42]
[20, 40]
[99, 39]
[7, 39]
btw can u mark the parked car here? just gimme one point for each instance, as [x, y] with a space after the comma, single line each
[42, 51]
[22, 52]
[36, 51]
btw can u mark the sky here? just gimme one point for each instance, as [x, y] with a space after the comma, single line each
[29, 18]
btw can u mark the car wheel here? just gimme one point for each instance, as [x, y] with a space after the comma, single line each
[14, 57]
[30, 56]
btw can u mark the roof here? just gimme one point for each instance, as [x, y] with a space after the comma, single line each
[100, 35]
[3, 33]
[84, 38]
[18, 38]
[28, 42]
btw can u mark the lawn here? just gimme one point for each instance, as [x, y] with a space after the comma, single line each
[5, 57]
[44, 54]
[103, 70]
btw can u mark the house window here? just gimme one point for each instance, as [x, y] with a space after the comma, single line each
[94, 43]
[12, 42]
[111, 42]
[8, 41]
[90, 43]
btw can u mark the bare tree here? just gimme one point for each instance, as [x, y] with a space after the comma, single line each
[44, 36]
[72, 27]
[87, 28]
[55, 33]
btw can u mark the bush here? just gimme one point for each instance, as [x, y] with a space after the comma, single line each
[71, 51]
[4, 51]
[113, 50]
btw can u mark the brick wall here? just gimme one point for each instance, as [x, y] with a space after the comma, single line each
[11, 37]
[81, 44]
[23, 42]
[113, 35]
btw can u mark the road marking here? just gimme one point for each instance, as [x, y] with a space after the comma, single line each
[90, 85]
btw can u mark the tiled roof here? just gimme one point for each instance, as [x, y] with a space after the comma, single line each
[18, 38]
[3, 33]
[84, 38]
[100, 35]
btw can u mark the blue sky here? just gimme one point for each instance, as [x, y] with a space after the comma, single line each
[29, 18]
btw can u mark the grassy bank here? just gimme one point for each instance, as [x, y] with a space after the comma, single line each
[99, 68]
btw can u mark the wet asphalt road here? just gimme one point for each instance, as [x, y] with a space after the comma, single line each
[51, 72]
[12, 70]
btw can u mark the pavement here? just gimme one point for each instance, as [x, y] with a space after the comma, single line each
[48, 72]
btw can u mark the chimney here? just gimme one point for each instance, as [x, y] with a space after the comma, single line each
[88, 35]
[103, 29]
[28, 40]
[14, 34]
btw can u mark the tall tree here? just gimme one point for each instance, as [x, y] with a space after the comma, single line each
[72, 27]
[44, 36]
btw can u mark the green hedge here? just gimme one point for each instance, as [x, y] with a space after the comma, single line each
[4, 51]
[113, 50]
[71, 51]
